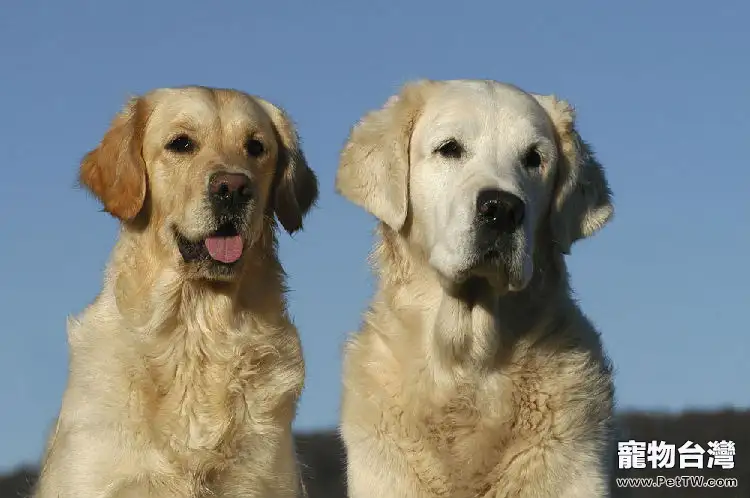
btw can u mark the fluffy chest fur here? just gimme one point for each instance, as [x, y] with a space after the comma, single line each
[194, 387]
[195, 390]
[213, 382]
[460, 433]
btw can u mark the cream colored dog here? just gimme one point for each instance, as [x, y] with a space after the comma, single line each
[186, 369]
[475, 373]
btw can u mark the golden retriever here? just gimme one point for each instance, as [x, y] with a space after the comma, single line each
[475, 373]
[186, 369]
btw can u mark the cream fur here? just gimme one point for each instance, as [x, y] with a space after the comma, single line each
[468, 388]
[182, 386]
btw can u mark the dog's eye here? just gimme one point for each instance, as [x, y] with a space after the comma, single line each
[532, 159]
[254, 147]
[182, 144]
[450, 149]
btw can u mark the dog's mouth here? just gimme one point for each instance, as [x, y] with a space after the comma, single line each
[497, 252]
[224, 246]
[491, 256]
[502, 262]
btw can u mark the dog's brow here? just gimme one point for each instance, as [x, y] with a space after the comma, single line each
[183, 124]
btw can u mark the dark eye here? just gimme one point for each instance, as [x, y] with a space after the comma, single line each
[181, 144]
[450, 149]
[532, 159]
[254, 147]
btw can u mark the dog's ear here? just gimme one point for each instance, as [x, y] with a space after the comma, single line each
[373, 168]
[114, 171]
[295, 184]
[582, 203]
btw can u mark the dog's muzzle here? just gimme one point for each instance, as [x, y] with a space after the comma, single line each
[229, 194]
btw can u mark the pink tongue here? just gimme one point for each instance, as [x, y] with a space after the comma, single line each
[225, 249]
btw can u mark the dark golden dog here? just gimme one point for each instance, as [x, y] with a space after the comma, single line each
[186, 369]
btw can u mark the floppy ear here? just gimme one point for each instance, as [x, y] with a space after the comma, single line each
[373, 168]
[582, 202]
[114, 171]
[295, 184]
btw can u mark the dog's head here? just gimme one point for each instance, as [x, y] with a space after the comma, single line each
[203, 170]
[471, 172]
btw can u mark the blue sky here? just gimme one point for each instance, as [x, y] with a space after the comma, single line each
[661, 90]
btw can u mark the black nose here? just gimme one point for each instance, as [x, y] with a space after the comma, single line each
[501, 210]
[229, 191]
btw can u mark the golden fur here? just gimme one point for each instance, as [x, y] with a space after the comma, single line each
[473, 390]
[183, 383]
